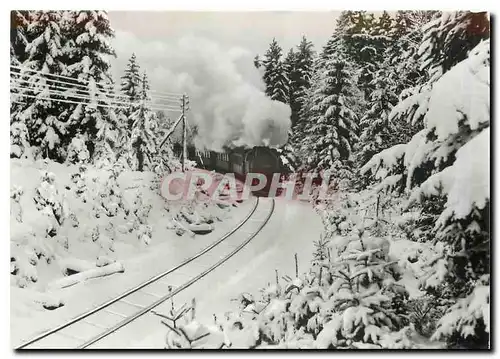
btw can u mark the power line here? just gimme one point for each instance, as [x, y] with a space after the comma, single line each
[86, 89]
[89, 104]
[84, 97]
[176, 95]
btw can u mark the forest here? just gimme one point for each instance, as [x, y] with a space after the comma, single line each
[395, 107]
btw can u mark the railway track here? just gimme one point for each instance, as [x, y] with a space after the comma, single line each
[109, 324]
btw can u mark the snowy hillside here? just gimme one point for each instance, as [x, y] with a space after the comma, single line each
[70, 224]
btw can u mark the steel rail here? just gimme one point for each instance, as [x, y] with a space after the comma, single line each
[140, 286]
[147, 309]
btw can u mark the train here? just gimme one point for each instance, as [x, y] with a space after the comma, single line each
[241, 161]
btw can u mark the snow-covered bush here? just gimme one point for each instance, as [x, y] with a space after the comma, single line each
[50, 202]
[19, 144]
[145, 233]
[102, 240]
[15, 206]
[77, 151]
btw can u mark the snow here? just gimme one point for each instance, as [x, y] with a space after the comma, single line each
[466, 182]
[462, 317]
[471, 175]
[388, 158]
[469, 99]
[40, 261]
[273, 249]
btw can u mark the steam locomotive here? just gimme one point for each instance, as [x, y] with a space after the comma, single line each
[241, 161]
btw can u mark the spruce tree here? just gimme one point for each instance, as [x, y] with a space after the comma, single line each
[19, 21]
[143, 139]
[41, 110]
[290, 65]
[332, 130]
[377, 131]
[275, 74]
[87, 54]
[300, 77]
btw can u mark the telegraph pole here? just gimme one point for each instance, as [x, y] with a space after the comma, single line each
[185, 103]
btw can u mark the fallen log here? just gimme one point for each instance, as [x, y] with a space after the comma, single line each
[86, 275]
[75, 265]
[202, 228]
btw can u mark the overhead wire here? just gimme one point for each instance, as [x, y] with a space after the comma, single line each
[93, 104]
[83, 88]
[90, 99]
[176, 95]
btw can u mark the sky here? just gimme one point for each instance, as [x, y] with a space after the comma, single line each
[251, 30]
[209, 56]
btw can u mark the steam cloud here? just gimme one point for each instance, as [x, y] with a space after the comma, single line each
[226, 91]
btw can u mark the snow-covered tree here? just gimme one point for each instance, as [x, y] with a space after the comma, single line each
[88, 52]
[131, 80]
[299, 71]
[143, 139]
[446, 167]
[19, 21]
[377, 132]
[19, 141]
[275, 76]
[130, 88]
[41, 110]
[331, 131]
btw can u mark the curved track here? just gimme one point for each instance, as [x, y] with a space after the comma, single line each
[104, 323]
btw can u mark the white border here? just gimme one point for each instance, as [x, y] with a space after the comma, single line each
[212, 5]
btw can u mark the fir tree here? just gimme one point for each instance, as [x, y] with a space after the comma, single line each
[300, 77]
[275, 73]
[378, 133]
[332, 130]
[290, 65]
[143, 140]
[41, 111]
[19, 21]
[87, 54]
[131, 80]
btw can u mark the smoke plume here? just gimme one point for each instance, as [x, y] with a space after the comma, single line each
[226, 91]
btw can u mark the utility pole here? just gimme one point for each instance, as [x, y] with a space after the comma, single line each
[185, 103]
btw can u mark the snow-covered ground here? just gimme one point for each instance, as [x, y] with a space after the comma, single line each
[33, 283]
[291, 230]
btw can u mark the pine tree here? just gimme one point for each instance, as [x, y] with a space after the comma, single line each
[87, 54]
[290, 65]
[41, 111]
[300, 77]
[145, 88]
[275, 73]
[131, 83]
[378, 133]
[143, 140]
[19, 21]
[333, 124]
